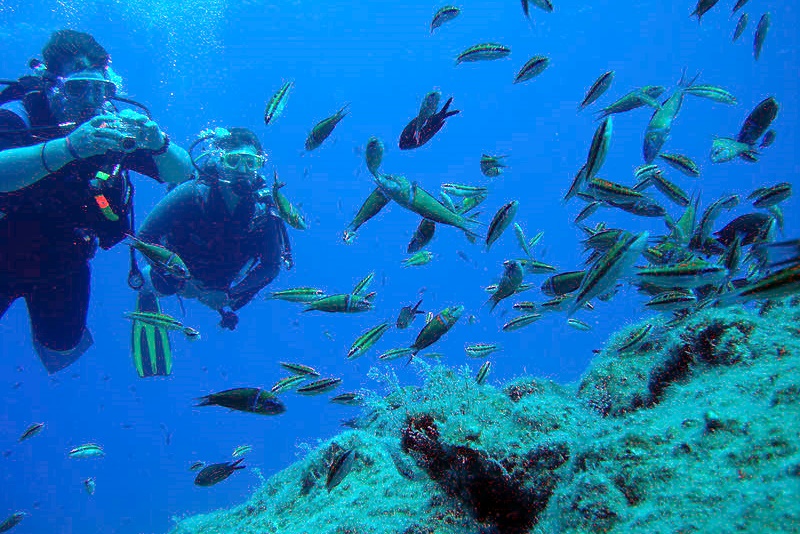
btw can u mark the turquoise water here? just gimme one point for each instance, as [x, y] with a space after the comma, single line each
[204, 64]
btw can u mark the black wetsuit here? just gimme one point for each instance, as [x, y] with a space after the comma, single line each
[49, 230]
[193, 221]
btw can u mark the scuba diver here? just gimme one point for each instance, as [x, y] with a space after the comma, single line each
[65, 153]
[224, 228]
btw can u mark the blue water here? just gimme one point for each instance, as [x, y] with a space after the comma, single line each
[209, 63]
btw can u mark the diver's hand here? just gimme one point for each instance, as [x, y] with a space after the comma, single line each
[146, 132]
[96, 137]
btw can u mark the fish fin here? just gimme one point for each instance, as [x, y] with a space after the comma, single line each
[235, 465]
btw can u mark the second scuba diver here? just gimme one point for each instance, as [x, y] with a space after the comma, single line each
[224, 227]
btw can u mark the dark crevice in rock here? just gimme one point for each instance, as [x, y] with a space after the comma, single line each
[509, 495]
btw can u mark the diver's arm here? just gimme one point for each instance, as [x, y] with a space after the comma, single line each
[24, 166]
[174, 165]
[255, 281]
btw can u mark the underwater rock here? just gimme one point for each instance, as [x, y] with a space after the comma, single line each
[693, 431]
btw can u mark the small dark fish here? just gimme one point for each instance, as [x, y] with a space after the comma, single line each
[408, 314]
[216, 473]
[752, 227]
[445, 14]
[31, 431]
[597, 89]
[418, 131]
[761, 35]
[12, 521]
[703, 7]
[197, 466]
[740, 27]
[324, 128]
[758, 121]
[492, 166]
[251, 400]
[340, 467]
[501, 220]
[90, 484]
[348, 399]
[532, 68]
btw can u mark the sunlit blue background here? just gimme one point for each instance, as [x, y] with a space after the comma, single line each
[214, 63]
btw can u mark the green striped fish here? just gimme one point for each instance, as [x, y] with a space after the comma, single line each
[481, 350]
[320, 386]
[298, 294]
[483, 52]
[522, 321]
[277, 103]
[394, 354]
[367, 340]
[299, 369]
[287, 383]
[612, 265]
[89, 450]
[483, 372]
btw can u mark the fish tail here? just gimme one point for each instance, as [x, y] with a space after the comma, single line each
[415, 309]
[446, 106]
[235, 465]
[491, 303]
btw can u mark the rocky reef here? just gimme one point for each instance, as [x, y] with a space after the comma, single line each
[697, 430]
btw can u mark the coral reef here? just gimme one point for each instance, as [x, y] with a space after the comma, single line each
[694, 431]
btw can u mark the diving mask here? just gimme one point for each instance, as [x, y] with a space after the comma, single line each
[233, 161]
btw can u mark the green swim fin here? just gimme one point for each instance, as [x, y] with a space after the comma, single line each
[150, 347]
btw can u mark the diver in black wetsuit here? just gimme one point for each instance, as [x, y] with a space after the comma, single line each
[65, 152]
[223, 226]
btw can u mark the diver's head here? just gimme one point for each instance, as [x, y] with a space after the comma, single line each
[82, 81]
[237, 159]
